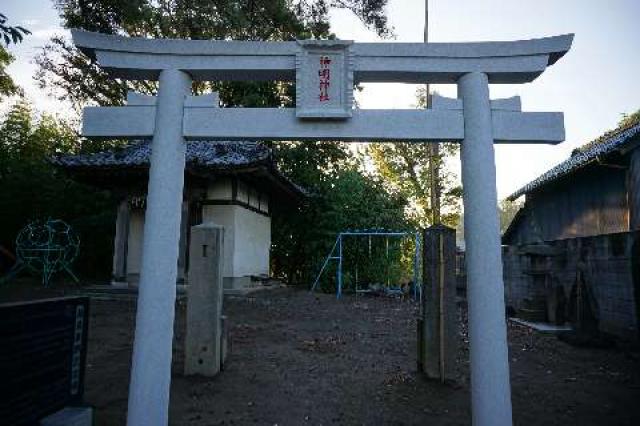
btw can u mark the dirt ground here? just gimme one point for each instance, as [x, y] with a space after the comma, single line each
[298, 359]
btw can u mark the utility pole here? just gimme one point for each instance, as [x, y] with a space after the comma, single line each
[434, 148]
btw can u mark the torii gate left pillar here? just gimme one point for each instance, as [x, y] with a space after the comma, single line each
[474, 120]
[152, 349]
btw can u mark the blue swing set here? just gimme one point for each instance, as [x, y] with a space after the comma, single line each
[337, 254]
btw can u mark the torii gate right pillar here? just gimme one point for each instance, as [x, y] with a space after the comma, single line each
[490, 388]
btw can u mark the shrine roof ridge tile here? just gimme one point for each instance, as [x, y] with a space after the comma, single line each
[210, 154]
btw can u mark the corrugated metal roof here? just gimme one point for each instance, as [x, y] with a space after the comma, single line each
[216, 155]
[581, 157]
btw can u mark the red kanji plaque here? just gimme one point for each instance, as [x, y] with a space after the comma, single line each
[324, 79]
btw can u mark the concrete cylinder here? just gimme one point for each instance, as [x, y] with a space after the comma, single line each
[490, 388]
[151, 365]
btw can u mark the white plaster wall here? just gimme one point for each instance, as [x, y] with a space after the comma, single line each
[252, 245]
[134, 242]
[225, 216]
[247, 239]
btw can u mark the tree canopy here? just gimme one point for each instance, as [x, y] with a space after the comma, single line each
[11, 33]
[33, 189]
[7, 85]
[69, 74]
[341, 195]
[405, 169]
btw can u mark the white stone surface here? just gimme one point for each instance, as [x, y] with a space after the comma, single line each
[364, 126]
[151, 365]
[335, 57]
[490, 388]
[507, 104]
[504, 62]
[282, 124]
[471, 65]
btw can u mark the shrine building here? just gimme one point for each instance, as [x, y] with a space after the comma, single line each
[234, 184]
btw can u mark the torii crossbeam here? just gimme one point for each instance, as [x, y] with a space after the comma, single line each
[325, 72]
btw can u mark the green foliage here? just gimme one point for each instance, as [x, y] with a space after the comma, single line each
[341, 198]
[11, 34]
[629, 120]
[7, 86]
[405, 167]
[508, 210]
[68, 74]
[33, 189]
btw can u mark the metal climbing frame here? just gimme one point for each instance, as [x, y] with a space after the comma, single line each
[45, 248]
[336, 255]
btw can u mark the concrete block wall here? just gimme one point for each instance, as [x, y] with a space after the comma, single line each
[606, 263]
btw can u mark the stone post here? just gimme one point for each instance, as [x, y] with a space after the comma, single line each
[151, 365]
[440, 322]
[120, 242]
[204, 342]
[490, 388]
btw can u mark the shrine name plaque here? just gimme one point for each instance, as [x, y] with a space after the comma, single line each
[324, 79]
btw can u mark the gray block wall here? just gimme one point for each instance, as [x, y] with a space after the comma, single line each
[606, 263]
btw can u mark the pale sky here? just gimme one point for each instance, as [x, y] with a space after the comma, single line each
[594, 84]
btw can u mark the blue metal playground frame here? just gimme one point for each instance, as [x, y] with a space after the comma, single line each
[337, 256]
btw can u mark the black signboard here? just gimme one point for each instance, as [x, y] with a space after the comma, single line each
[43, 348]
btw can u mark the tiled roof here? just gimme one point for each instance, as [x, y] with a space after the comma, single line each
[581, 157]
[216, 155]
[211, 155]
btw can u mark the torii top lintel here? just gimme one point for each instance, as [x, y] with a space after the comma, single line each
[503, 62]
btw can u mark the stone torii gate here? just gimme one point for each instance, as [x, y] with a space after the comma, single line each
[325, 72]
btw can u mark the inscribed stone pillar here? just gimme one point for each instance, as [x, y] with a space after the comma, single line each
[204, 346]
[440, 323]
[120, 242]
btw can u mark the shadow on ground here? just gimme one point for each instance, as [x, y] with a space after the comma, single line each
[299, 359]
